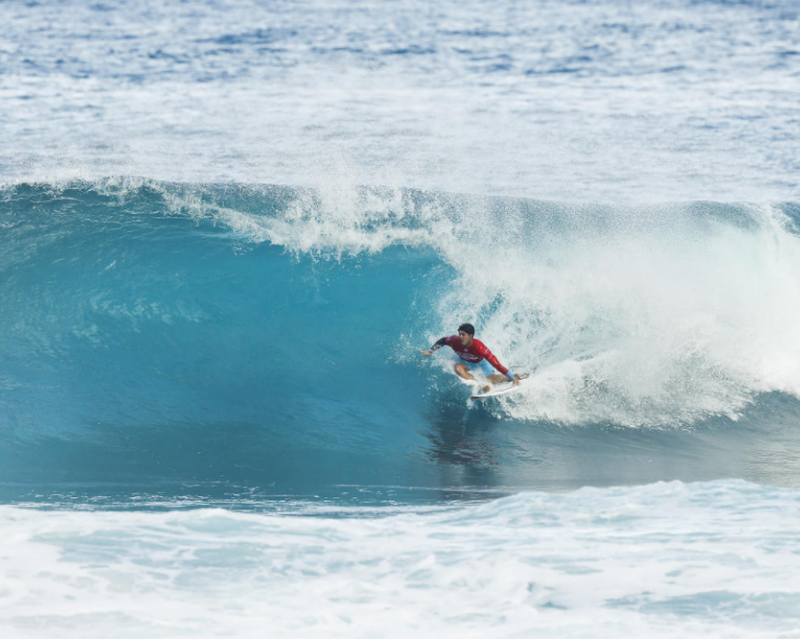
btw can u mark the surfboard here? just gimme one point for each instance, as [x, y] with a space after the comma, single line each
[499, 390]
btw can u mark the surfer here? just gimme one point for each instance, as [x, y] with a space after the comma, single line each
[475, 357]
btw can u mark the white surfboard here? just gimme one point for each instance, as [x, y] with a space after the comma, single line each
[498, 390]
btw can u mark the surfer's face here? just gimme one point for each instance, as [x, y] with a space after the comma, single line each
[466, 339]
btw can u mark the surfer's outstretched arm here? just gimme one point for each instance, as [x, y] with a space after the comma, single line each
[436, 345]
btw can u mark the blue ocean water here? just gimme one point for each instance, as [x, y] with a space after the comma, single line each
[228, 228]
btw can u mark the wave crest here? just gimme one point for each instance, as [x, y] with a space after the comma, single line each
[648, 316]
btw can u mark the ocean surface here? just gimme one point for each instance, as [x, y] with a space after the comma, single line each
[227, 229]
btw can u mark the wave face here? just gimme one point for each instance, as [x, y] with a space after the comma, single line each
[269, 336]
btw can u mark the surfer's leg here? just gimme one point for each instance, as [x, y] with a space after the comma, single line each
[462, 371]
[496, 378]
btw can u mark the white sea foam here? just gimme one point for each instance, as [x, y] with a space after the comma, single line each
[662, 320]
[710, 560]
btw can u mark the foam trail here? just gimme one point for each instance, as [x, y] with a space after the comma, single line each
[710, 560]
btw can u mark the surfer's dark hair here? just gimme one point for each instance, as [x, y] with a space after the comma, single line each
[467, 328]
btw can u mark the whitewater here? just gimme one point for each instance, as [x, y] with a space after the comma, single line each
[227, 229]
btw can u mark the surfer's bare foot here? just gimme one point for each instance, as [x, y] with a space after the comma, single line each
[487, 388]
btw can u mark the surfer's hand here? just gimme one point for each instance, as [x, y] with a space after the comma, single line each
[426, 352]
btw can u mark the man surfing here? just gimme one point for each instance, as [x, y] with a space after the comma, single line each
[475, 358]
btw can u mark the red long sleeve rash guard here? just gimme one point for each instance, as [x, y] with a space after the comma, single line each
[476, 352]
